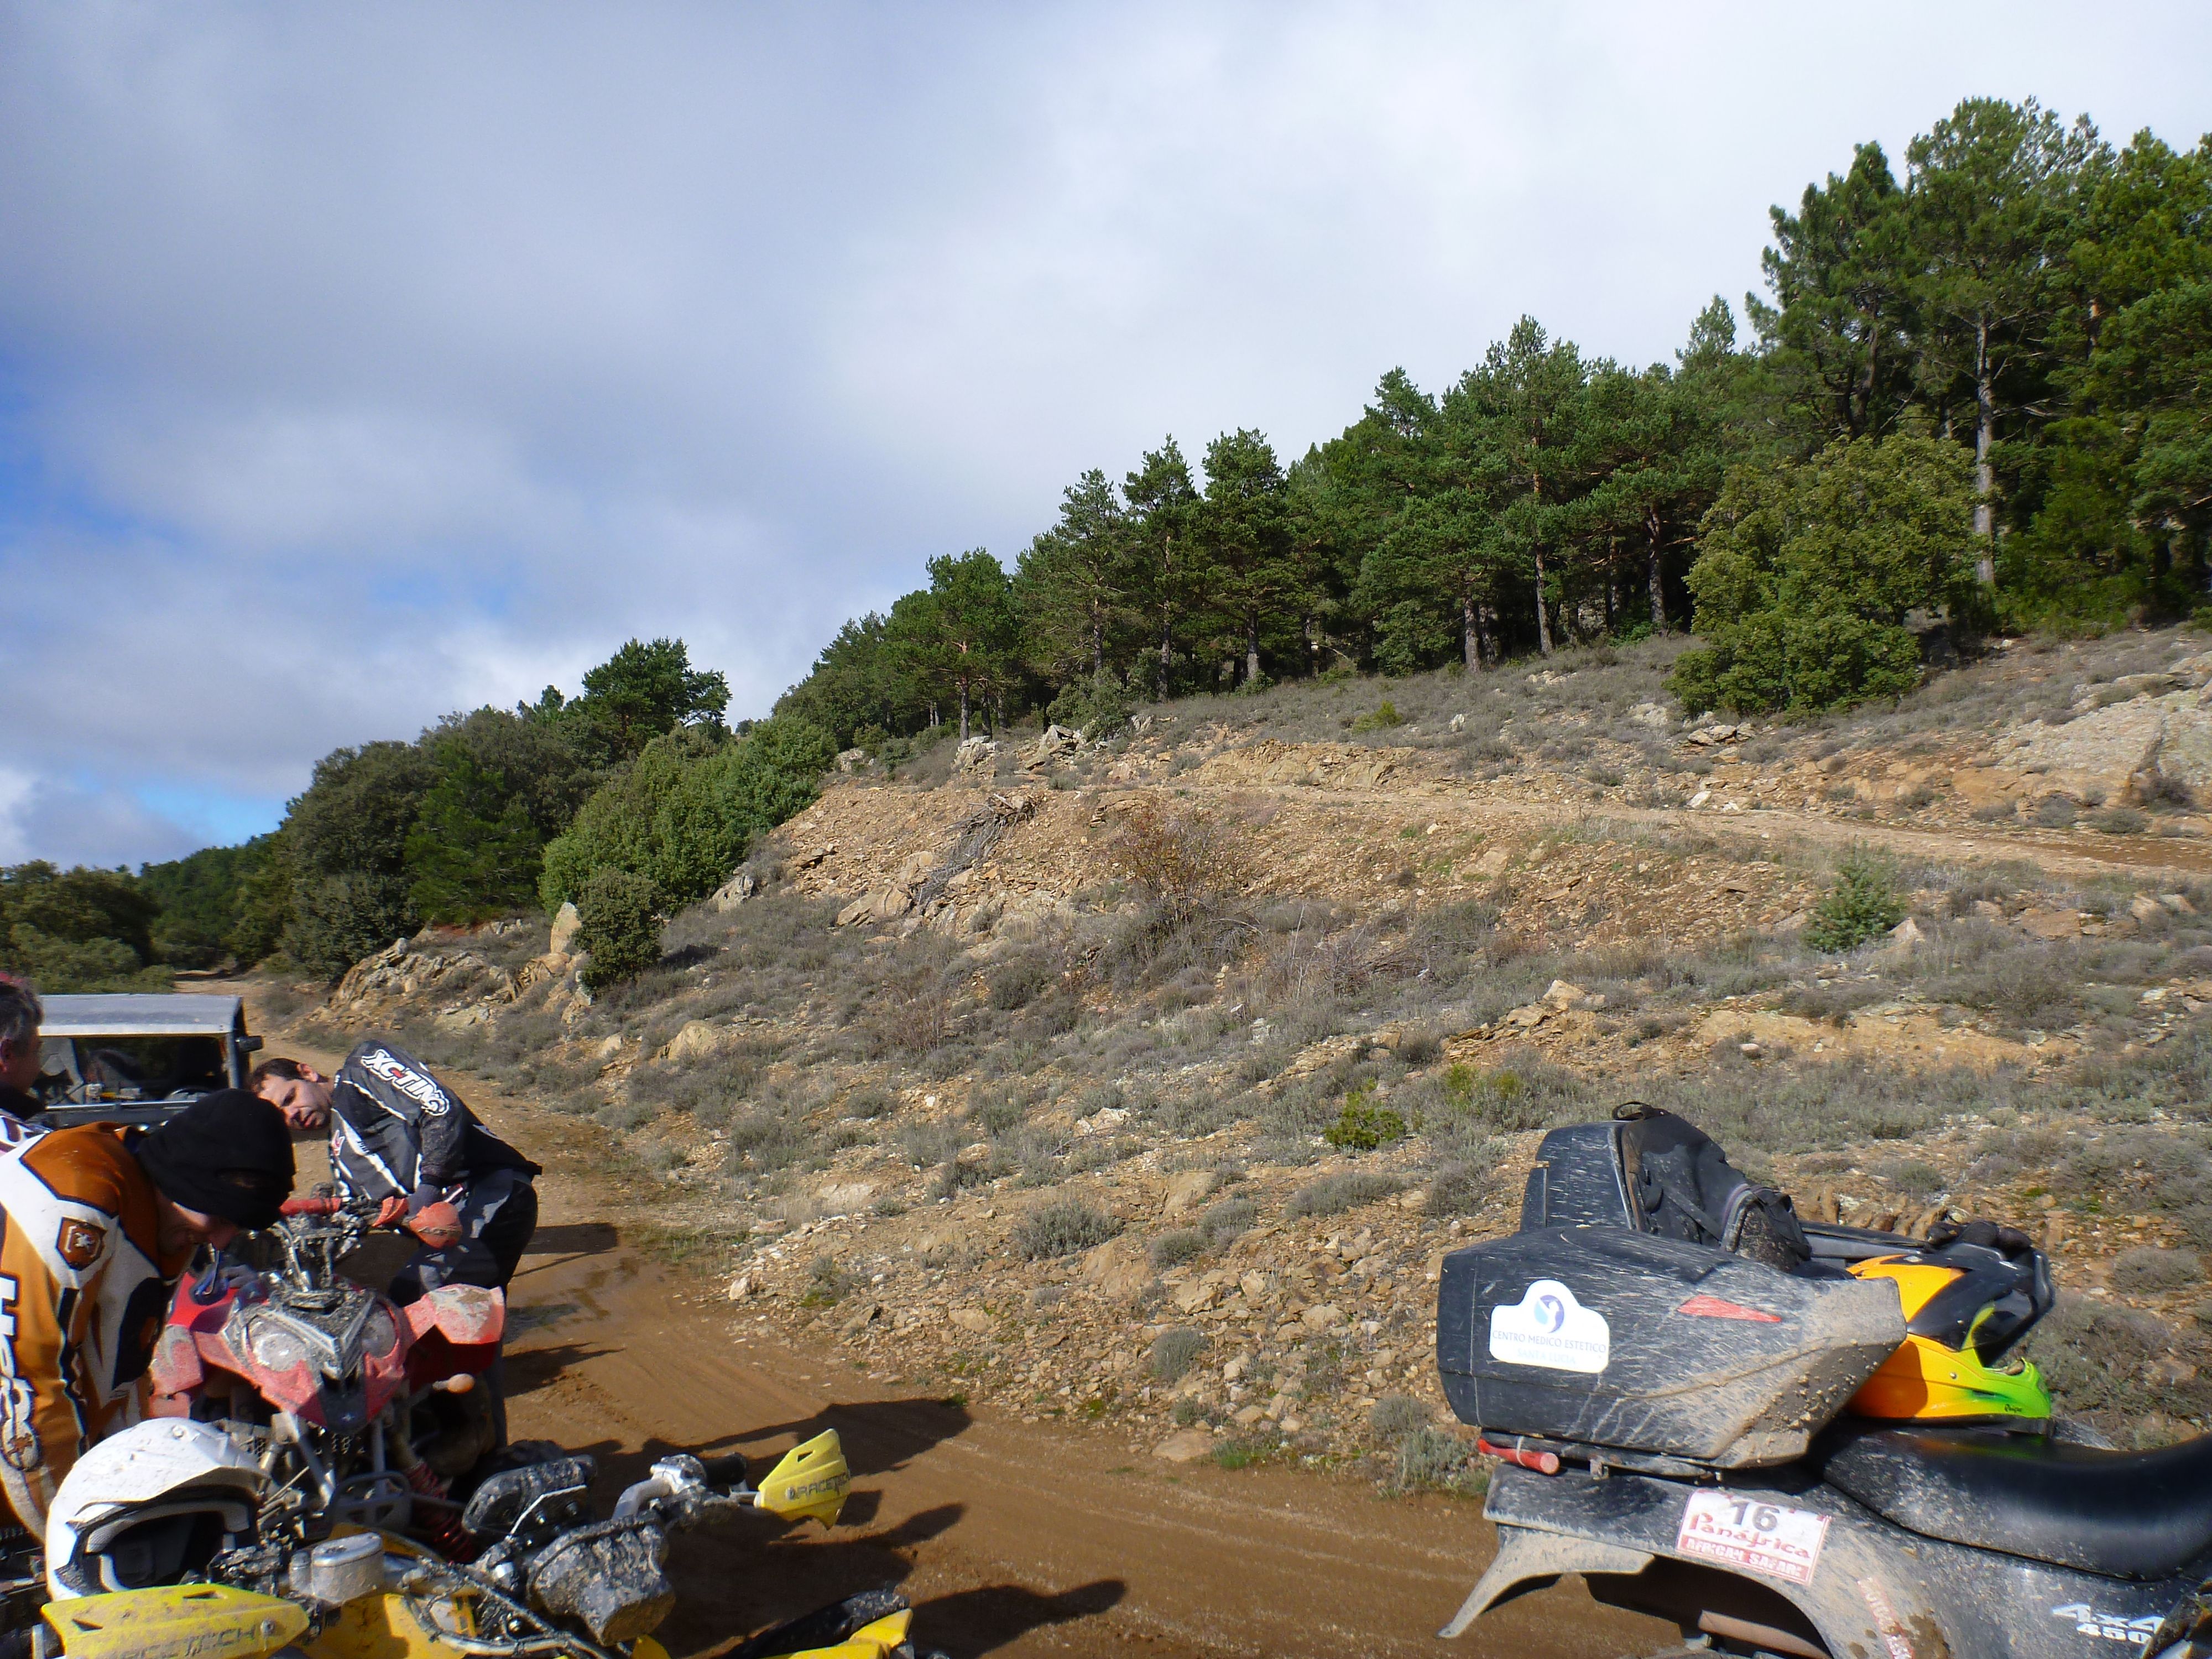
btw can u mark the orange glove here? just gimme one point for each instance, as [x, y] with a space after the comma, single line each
[392, 1212]
[437, 1225]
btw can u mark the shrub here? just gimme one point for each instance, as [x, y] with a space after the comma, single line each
[1172, 1250]
[621, 933]
[2119, 820]
[1013, 981]
[1186, 862]
[869, 1103]
[2093, 1359]
[2156, 1270]
[1174, 1350]
[1805, 575]
[1418, 1047]
[1429, 1458]
[1457, 1189]
[1347, 1189]
[1861, 904]
[1224, 1221]
[1363, 1126]
[1098, 708]
[687, 809]
[1395, 1416]
[1063, 1227]
[1381, 718]
[827, 1284]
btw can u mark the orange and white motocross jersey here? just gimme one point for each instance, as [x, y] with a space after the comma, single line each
[84, 1293]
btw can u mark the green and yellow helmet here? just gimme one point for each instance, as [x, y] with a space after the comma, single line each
[1953, 1366]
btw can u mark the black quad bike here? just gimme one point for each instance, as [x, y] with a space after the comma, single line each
[1798, 1438]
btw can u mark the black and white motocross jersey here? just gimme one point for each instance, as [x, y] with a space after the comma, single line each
[394, 1128]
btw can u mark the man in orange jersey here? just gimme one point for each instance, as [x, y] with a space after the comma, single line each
[96, 1224]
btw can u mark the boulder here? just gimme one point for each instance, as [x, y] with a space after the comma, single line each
[567, 924]
[1196, 1296]
[1981, 785]
[1118, 1270]
[845, 1197]
[1322, 1317]
[1492, 862]
[2144, 907]
[976, 754]
[2051, 924]
[1186, 1191]
[974, 1321]
[891, 903]
[851, 760]
[695, 1040]
[735, 891]
[2147, 746]
[1185, 1446]
[1906, 935]
[859, 910]
[1056, 743]
[1651, 714]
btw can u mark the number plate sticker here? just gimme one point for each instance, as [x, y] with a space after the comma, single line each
[1743, 1532]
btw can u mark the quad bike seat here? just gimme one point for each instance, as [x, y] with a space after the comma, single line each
[2125, 1514]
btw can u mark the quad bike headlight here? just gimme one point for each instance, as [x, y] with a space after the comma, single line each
[379, 1332]
[276, 1349]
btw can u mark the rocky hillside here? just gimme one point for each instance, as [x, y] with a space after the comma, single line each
[1143, 1082]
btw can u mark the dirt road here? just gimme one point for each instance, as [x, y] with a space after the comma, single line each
[1009, 1539]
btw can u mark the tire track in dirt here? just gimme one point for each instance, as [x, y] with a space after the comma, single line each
[1010, 1540]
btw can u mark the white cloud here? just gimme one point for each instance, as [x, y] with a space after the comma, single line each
[359, 365]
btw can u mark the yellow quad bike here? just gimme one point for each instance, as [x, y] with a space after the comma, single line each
[366, 1595]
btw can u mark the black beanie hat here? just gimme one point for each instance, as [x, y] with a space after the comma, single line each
[227, 1154]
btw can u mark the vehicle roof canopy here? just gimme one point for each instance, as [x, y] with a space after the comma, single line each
[117, 1014]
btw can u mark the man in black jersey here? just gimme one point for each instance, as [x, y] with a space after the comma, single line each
[400, 1136]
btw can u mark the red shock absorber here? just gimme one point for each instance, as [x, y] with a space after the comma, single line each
[447, 1536]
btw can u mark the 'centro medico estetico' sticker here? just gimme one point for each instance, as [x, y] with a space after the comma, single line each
[1548, 1328]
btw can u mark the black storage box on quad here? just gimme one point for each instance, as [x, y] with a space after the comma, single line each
[1605, 1337]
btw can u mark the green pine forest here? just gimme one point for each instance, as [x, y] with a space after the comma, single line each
[1973, 396]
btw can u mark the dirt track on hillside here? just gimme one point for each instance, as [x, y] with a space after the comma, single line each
[1009, 1539]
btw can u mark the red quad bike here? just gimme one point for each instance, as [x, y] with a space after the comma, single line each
[360, 1412]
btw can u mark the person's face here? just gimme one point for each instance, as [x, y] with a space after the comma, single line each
[305, 1100]
[18, 1063]
[180, 1228]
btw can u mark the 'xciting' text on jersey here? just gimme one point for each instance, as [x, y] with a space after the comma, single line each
[395, 1128]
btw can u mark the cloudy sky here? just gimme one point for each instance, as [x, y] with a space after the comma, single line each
[358, 364]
